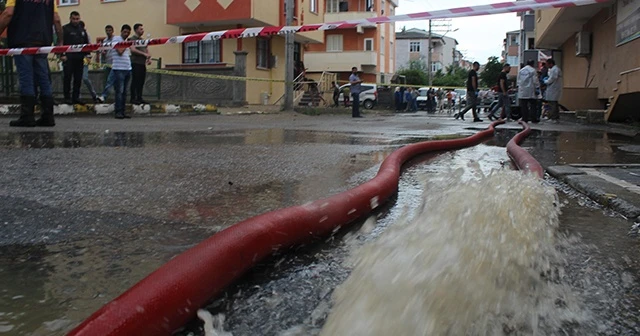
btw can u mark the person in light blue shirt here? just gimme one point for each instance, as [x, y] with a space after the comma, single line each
[356, 88]
[121, 69]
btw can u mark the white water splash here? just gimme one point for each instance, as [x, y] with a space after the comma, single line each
[479, 258]
[213, 325]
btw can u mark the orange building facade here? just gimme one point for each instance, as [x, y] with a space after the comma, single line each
[370, 48]
[164, 18]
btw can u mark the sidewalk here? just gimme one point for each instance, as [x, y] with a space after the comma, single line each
[616, 186]
[104, 109]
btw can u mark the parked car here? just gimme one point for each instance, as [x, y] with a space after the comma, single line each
[368, 95]
[461, 97]
[422, 98]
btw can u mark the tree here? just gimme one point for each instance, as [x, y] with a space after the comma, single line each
[415, 72]
[454, 75]
[491, 71]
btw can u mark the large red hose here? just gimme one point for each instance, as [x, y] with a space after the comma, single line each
[523, 160]
[169, 297]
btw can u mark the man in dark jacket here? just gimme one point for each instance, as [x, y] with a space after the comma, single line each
[28, 24]
[73, 63]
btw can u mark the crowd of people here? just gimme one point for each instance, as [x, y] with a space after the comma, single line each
[538, 92]
[29, 24]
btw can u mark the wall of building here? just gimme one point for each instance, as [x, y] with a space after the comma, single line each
[97, 15]
[544, 18]
[606, 62]
[442, 53]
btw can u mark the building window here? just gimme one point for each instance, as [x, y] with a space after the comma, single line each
[368, 44]
[68, 2]
[369, 5]
[334, 42]
[209, 51]
[382, 44]
[531, 42]
[313, 6]
[414, 46]
[513, 60]
[513, 40]
[263, 52]
[333, 6]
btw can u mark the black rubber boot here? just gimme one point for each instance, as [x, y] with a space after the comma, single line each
[46, 114]
[26, 119]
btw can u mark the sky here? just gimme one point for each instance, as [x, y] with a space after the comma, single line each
[478, 37]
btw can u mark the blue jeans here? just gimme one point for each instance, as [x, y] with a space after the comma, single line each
[504, 101]
[121, 79]
[87, 81]
[110, 82]
[33, 70]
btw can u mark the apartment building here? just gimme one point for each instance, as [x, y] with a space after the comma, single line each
[596, 46]
[368, 47]
[511, 51]
[413, 44]
[163, 18]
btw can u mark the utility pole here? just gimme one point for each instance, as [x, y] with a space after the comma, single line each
[429, 58]
[288, 57]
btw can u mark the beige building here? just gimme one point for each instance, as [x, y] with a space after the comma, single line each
[166, 18]
[597, 48]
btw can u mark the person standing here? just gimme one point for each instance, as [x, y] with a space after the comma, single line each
[397, 98]
[504, 101]
[73, 63]
[140, 58]
[336, 94]
[528, 85]
[554, 90]
[28, 24]
[121, 70]
[107, 61]
[85, 69]
[472, 94]
[356, 87]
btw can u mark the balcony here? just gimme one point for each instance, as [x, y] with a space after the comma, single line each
[339, 61]
[346, 16]
[555, 26]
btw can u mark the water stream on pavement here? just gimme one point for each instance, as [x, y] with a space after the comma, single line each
[479, 258]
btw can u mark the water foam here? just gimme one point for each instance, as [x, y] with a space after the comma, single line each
[478, 258]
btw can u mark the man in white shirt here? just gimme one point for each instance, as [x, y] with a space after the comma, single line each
[107, 60]
[121, 71]
[528, 84]
[554, 89]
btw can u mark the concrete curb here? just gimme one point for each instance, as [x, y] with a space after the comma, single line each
[606, 193]
[105, 109]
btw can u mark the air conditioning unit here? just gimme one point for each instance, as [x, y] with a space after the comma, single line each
[583, 44]
[360, 29]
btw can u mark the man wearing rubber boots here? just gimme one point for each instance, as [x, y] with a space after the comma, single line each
[28, 24]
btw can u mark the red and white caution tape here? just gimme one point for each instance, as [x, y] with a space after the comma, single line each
[497, 8]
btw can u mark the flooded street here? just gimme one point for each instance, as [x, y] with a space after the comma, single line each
[87, 211]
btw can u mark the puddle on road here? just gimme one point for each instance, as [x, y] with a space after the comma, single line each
[48, 289]
[190, 139]
[558, 148]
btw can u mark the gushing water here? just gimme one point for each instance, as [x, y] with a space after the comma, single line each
[478, 258]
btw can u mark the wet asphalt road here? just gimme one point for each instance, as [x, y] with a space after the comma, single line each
[91, 206]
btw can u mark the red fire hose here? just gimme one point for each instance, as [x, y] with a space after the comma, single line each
[169, 297]
[523, 160]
